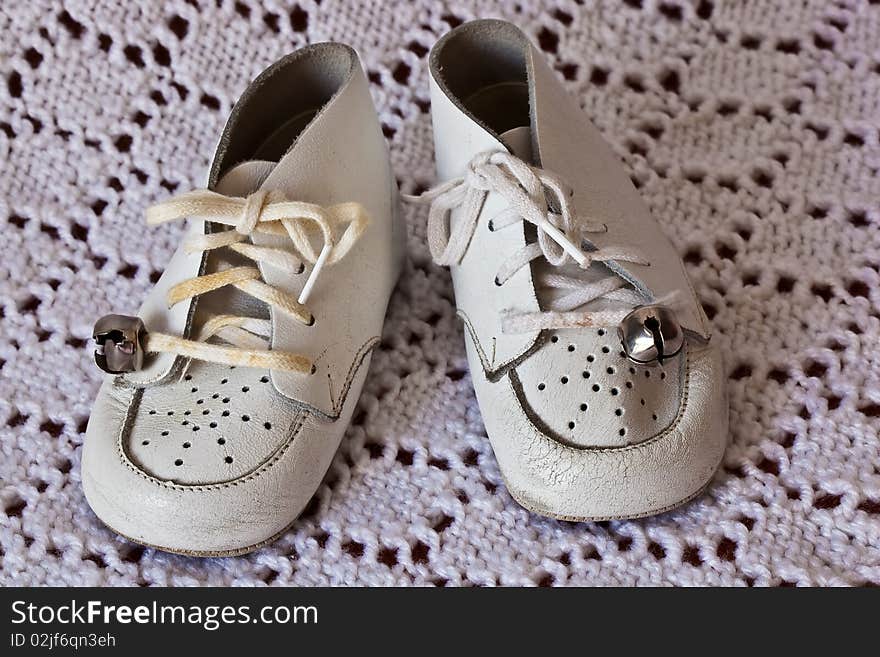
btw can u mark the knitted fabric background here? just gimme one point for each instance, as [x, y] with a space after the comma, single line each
[751, 129]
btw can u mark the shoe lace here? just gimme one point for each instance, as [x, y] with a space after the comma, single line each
[261, 212]
[542, 199]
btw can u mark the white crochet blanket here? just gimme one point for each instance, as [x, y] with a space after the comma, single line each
[751, 130]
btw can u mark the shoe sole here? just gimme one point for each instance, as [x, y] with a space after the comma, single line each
[234, 552]
[521, 500]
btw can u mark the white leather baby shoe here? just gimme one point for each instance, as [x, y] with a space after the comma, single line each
[231, 391]
[601, 392]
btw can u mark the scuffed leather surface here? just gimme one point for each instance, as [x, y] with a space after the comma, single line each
[233, 514]
[555, 479]
[630, 451]
[165, 479]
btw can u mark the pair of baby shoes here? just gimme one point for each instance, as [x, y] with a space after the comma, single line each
[229, 393]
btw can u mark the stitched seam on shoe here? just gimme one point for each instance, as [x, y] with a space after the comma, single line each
[497, 373]
[138, 392]
[254, 474]
[356, 363]
[682, 407]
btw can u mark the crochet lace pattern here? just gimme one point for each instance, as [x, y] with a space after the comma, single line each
[750, 129]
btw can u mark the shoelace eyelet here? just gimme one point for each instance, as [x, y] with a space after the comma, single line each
[541, 199]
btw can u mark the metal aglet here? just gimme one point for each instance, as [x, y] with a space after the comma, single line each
[119, 343]
[650, 335]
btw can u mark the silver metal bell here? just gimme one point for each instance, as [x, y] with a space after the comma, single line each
[119, 343]
[650, 335]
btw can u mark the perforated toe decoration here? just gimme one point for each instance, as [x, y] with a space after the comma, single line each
[215, 424]
[582, 390]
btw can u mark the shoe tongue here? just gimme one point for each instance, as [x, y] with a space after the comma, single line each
[244, 178]
[519, 141]
[240, 180]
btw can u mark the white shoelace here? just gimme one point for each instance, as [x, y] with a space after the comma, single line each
[261, 212]
[530, 192]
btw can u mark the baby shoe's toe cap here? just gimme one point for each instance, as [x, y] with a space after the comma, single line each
[214, 464]
[594, 437]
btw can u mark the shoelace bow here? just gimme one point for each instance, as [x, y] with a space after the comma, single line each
[261, 212]
[529, 192]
